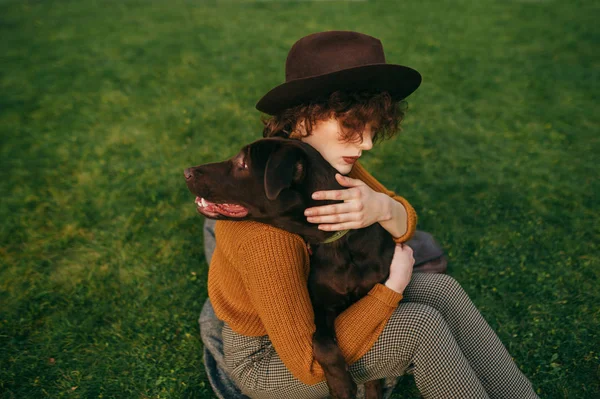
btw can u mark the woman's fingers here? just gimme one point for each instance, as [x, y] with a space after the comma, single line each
[335, 218]
[345, 194]
[331, 209]
[347, 215]
[339, 226]
[348, 181]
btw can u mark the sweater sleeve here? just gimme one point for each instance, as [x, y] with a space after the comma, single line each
[359, 172]
[275, 274]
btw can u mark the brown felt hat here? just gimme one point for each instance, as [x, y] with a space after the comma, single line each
[321, 63]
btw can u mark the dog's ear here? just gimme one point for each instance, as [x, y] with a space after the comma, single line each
[284, 167]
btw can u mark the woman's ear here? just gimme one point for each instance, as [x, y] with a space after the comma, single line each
[285, 166]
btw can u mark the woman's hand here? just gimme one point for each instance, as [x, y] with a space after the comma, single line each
[401, 268]
[362, 206]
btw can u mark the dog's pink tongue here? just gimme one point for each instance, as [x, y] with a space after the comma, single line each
[231, 210]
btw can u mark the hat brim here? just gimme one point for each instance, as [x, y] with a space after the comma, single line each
[398, 80]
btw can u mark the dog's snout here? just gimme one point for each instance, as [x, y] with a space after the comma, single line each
[188, 173]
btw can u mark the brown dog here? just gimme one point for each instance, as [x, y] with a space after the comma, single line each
[271, 181]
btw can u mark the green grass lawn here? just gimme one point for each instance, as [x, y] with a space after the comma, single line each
[104, 103]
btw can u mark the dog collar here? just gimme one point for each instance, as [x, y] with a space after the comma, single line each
[336, 236]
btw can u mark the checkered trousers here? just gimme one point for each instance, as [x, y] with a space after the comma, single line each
[436, 334]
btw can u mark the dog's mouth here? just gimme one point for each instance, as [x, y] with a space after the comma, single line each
[212, 209]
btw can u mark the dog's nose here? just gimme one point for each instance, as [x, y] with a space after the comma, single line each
[188, 173]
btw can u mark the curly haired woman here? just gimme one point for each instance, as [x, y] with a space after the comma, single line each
[341, 97]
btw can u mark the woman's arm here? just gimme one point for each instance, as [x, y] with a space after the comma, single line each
[366, 201]
[402, 221]
[275, 272]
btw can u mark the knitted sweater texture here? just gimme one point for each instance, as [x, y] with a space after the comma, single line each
[257, 283]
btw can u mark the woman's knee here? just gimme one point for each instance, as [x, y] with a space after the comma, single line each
[440, 291]
[450, 286]
[410, 326]
[432, 321]
[411, 323]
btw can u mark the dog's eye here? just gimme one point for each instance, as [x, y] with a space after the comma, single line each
[242, 164]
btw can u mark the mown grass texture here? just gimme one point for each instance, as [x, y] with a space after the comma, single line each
[104, 103]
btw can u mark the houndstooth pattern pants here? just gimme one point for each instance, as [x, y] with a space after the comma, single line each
[436, 334]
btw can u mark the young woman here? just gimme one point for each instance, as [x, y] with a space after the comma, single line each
[341, 97]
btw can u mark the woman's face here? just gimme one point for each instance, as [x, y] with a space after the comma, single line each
[342, 155]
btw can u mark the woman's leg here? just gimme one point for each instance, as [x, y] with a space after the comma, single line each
[490, 360]
[415, 337]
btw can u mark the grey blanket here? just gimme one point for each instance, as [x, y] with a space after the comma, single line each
[424, 249]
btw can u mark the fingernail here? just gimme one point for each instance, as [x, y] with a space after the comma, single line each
[315, 196]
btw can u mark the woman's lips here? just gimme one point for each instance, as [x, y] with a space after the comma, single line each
[350, 160]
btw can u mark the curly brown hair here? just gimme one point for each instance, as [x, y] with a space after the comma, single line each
[354, 110]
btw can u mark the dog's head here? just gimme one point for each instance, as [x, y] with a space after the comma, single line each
[270, 180]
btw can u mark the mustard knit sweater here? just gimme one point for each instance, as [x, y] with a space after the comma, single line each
[257, 283]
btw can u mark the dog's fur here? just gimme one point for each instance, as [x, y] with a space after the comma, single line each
[272, 180]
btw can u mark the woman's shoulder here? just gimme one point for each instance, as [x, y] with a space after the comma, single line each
[248, 231]
[251, 243]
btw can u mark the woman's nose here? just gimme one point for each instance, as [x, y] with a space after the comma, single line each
[367, 142]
